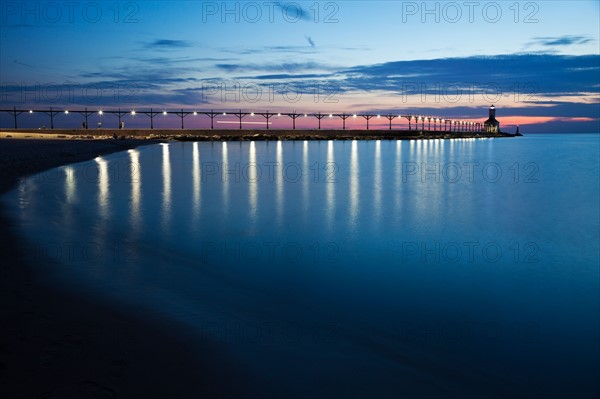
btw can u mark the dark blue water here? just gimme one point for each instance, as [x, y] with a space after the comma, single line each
[466, 268]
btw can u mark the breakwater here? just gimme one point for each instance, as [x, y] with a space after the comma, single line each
[247, 134]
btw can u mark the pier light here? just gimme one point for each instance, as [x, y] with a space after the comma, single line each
[331, 115]
[100, 112]
[224, 113]
[164, 112]
[132, 113]
[278, 114]
[354, 116]
[251, 113]
[31, 111]
[67, 112]
[305, 115]
[195, 113]
[379, 116]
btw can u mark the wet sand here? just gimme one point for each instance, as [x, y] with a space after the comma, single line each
[56, 344]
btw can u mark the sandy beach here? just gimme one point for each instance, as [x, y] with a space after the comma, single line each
[54, 344]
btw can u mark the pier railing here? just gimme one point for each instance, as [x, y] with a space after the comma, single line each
[415, 122]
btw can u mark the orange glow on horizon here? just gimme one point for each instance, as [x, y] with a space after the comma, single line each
[514, 120]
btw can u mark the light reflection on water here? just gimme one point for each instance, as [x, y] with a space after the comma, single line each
[204, 234]
[136, 186]
[330, 185]
[196, 179]
[166, 193]
[253, 179]
[225, 174]
[354, 182]
[103, 193]
[377, 188]
[279, 186]
[70, 184]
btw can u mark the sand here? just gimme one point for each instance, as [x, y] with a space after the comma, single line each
[55, 344]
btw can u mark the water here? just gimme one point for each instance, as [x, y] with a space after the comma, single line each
[349, 269]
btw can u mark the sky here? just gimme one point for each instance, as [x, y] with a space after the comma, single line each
[537, 62]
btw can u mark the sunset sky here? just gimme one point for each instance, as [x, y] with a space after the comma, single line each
[538, 62]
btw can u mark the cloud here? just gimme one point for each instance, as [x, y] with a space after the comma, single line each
[567, 88]
[271, 49]
[24, 64]
[168, 44]
[562, 74]
[566, 40]
[293, 12]
[287, 76]
[179, 60]
[286, 67]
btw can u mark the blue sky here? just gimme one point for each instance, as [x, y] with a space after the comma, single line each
[538, 61]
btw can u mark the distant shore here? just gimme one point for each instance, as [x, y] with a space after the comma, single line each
[56, 344]
[245, 134]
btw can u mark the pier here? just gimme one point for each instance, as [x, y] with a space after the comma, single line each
[422, 123]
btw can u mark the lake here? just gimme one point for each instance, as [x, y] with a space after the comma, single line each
[466, 267]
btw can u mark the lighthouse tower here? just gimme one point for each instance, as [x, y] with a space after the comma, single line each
[491, 125]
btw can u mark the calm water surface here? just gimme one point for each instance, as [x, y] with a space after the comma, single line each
[434, 268]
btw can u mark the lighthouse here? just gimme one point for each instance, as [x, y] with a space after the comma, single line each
[491, 125]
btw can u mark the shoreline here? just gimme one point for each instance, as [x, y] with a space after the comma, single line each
[245, 134]
[57, 344]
